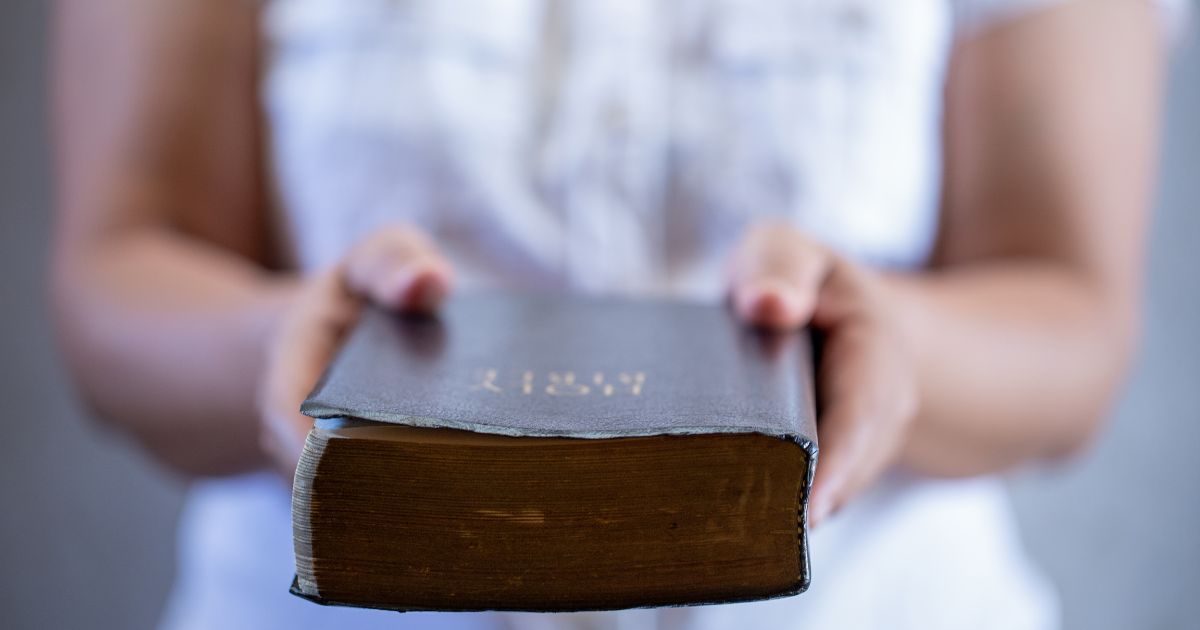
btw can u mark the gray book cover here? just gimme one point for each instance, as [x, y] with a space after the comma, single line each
[576, 367]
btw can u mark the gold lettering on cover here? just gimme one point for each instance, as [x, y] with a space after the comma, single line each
[605, 388]
[563, 384]
[634, 381]
[489, 382]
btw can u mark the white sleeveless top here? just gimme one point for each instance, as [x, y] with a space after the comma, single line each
[609, 146]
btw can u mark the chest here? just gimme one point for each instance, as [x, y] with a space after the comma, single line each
[664, 125]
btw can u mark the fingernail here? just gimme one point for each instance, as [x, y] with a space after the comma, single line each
[770, 303]
[427, 292]
[426, 296]
[818, 511]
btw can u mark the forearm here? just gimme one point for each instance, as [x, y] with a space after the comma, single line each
[165, 336]
[1017, 360]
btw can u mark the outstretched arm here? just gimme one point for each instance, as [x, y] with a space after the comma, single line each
[174, 325]
[1026, 326]
[160, 295]
[1012, 345]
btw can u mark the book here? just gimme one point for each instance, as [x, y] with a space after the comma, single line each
[549, 453]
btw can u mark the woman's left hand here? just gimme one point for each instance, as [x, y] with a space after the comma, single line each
[781, 279]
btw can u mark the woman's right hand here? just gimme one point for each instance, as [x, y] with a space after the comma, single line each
[398, 268]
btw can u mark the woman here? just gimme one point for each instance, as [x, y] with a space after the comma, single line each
[956, 193]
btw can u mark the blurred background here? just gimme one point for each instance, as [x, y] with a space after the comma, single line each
[87, 523]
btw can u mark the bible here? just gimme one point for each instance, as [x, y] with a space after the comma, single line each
[548, 453]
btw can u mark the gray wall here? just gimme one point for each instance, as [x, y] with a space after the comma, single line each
[86, 522]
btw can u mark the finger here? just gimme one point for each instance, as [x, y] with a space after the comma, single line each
[399, 268]
[776, 276]
[855, 451]
[844, 438]
[304, 344]
[868, 407]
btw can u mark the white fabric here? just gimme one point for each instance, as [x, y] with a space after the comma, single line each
[619, 146]
[621, 153]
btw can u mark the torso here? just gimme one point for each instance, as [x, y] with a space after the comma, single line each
[606, 146]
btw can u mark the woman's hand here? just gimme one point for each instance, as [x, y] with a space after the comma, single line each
[398, 268]
[780, 279]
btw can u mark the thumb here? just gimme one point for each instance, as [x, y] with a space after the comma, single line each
[776, 275]
[302, 343]
[399, 268]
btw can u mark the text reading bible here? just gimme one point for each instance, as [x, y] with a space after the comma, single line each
[553, 454]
